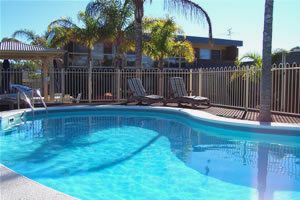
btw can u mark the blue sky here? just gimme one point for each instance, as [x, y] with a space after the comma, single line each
[244, 17]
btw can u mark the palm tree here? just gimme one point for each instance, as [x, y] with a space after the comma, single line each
[48, 39]
[6, 39]
[254, 70]
[163, 42]
[277, 55]
[87, 36]
[118, 23]
[34, 39]
[182, 6]
[266, 78]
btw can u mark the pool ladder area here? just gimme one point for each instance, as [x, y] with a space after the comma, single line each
[23, 90]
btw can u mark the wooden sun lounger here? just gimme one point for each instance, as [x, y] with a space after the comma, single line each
[180, 95]
[138, 93]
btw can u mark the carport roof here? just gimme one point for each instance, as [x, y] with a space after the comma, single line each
[18, 50]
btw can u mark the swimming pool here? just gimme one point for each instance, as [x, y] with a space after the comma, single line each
[114, 153]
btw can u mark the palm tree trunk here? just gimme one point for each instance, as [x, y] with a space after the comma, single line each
[90, 86]
[160, 76]
[118, 57]
[266, 76]
[139, 14]
[262, 169]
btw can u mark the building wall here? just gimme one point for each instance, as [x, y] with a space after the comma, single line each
[205, 54]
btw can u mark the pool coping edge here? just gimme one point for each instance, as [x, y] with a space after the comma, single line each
[194, 113]
[17, 186]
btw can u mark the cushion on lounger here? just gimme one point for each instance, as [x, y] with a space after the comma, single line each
[154, 96]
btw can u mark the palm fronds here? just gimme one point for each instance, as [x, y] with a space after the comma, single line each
[28, 34]
[163, 42]
[6, 39]
[254, 71]
[190, 9]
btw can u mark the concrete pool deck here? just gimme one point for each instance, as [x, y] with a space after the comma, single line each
[15, 186]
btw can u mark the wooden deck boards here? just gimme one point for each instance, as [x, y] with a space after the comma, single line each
[241, 114]
[218, 111]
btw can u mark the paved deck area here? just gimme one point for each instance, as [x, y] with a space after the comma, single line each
[15, 186]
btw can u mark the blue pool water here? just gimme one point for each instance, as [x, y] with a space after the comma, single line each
[127, 155]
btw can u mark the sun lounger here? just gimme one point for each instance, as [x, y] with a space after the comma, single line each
[138, 93]
[180, 95]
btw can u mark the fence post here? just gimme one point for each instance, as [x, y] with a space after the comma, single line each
[191, 82]
[32, 98]
[283, 88]
[138, 73]
[90, 84]
[118, 84]
[51, 81]
[18, 99]
[247, 88]
[45, 81]
[200, 82]
[63, 84]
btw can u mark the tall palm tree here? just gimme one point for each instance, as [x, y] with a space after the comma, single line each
[32, 37]
[163, 43]
[48, 39]
[117, 20]
[266, 78]
[87, 36]
[182, 6]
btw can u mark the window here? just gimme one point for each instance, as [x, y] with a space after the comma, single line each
[107, 61]
[183, 62]
[78, 60]
[205, 54]
[130, 60]
[78, 48]
[108, 49]
[96, 62]
[174, 62]
[216, 55]
[147, 62]
[166, 63]
[97, 54]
